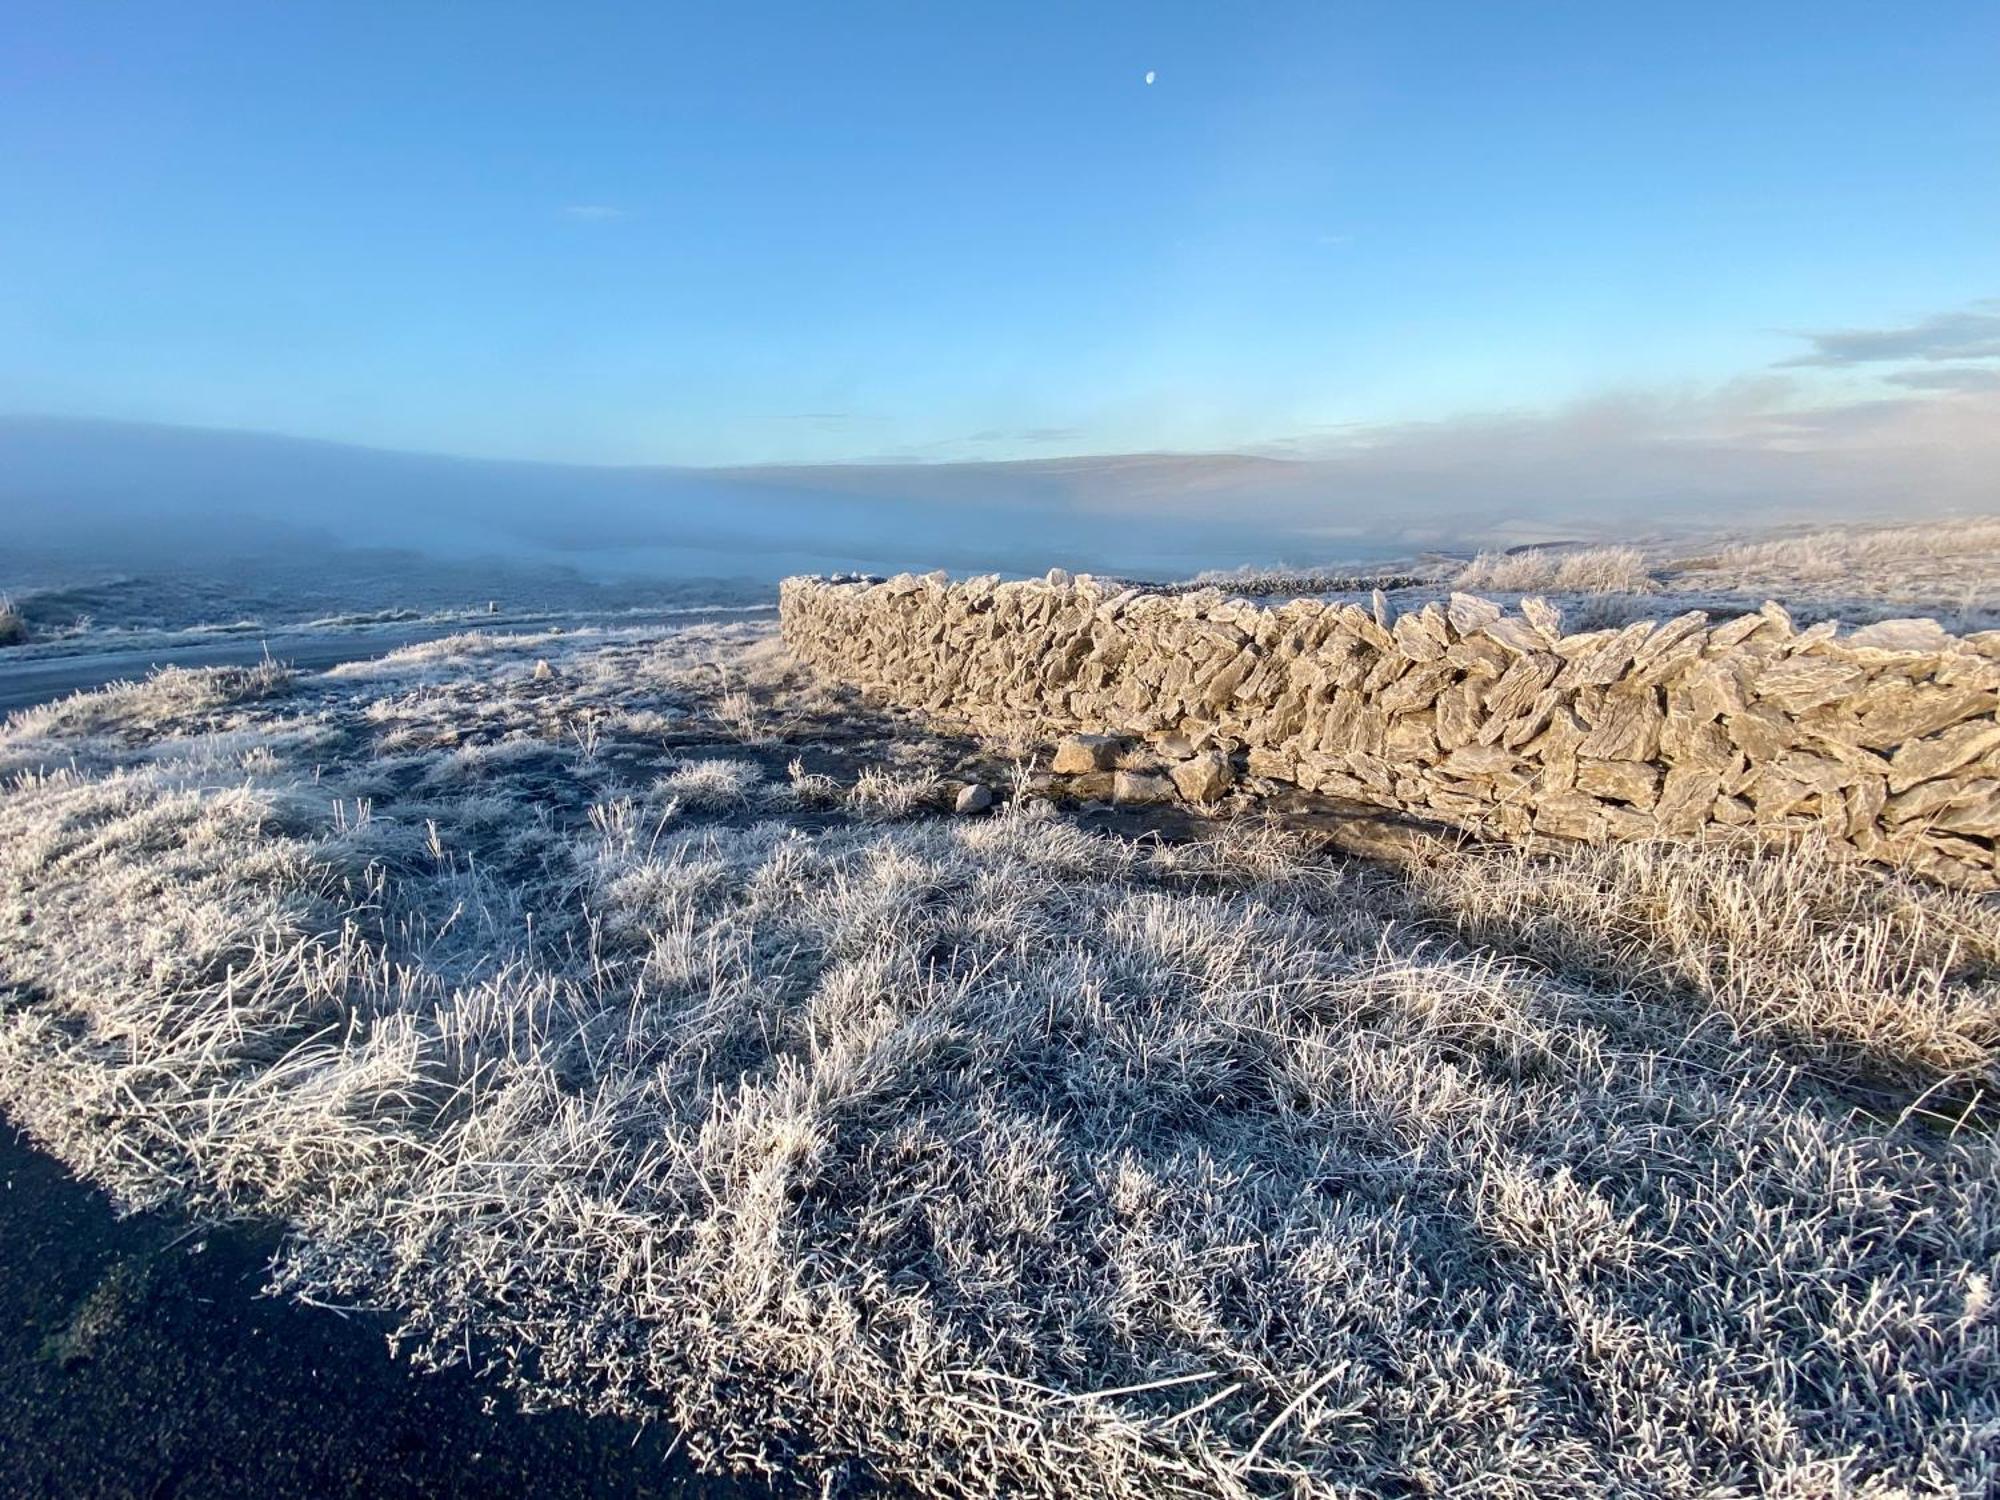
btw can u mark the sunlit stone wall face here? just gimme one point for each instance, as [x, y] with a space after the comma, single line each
[1886, 739]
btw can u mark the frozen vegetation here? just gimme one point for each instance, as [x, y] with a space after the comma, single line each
[1947, 570]
[629, 1014]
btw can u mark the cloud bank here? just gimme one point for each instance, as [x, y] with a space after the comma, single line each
[1755, 452]
[1744, 456]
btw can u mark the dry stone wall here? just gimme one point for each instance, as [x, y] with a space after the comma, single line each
[1886, 739]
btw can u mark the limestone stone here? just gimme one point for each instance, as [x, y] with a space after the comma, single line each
[1887, 739]
[1704, 745]
[1681, 630]
[1734, 632]
[1421, 635]
[1518, 636]
[1515, 689]
[1732, 812]
[1687, 796]
[1628, 725]
[1797, 683]
[1569, 816]
[1129, 788]
[1923, 802]
[1276, 764]
[1543, 618]
[1479, 656]
[1478, 760]
[1902, 635]
[1609, 656]
[1714, 690]
[1632, 781]
[1921, 760]
[1458, 715]
[1412, 739]
[1761, 732]
[1080, 754]
[1627, 822]
[974, 798]
[1977, 811]
[1417, 688]
[1204, 777]
[1865, 800]
[1469, 616]
[1897, 710]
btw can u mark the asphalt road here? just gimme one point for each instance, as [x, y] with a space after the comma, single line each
[139, 1359]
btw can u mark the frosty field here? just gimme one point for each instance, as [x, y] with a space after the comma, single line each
[628, 1012]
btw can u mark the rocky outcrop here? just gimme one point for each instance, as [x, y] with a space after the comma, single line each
[1887, 740]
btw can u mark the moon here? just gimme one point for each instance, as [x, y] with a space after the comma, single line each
[1151, 75]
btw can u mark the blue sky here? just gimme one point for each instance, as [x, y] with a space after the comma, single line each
[737, 233]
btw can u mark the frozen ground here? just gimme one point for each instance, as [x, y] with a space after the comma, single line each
[622, 1010]
[63, 606]
[1946, 570]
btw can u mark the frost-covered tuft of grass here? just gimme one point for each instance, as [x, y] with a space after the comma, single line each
[709, 784]
[1845, 551]
[1585, 570]
[996, 1157]
[172, 695]
[1861, 974]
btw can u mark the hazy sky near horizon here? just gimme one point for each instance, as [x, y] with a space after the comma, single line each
[806, 232]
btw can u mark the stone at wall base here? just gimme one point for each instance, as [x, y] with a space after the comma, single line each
[1134, 788]
[1080, 754]
[1204, 777]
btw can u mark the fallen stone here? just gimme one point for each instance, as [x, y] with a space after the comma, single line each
[1081, 754]
[1204, 777]
[1140, 788]
[975, 798]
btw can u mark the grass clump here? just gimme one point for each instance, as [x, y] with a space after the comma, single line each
[1584, 570]
[1842, 552]
[1856, 971]
[170, 697]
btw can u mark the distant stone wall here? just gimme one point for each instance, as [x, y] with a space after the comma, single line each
[1887, 739]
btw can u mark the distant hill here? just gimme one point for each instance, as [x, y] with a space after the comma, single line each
[128, 490]
[130, 493]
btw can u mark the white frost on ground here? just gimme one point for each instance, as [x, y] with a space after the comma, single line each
[634, 1026]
